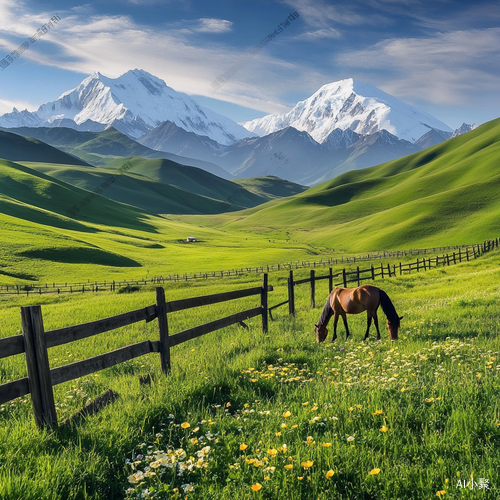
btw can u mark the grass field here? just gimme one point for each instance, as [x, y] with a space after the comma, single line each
[278, 417]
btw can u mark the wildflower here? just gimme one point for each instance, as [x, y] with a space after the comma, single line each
[267, 478]
[350, 438]
[350, 408]
[329, 474]
[272, 452]
[136, 478]
[294, 426]
[283, 426]
[185, 425]
[287, 414]
[378, 412]
[430, 400]
[305, 404]
[243, 446]
[314, 408]
[307, 464]
[194, 441]
[384, 428]
[440, 493]
[309, 440]
[289, 466]
[374, 472]
[300, 478]
[256, 486]
[326, 445]
[278, 434]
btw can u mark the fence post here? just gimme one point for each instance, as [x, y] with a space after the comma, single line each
[389, 269]
[263, 303]
[382, 270]
[313, 288]
[344, 278]
[373, 272]
[161, 310]
[330, 281]
[37, 361]
[291, 295]
[357, 274]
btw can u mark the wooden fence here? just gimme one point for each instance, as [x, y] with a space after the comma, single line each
[35, 341]
[96, 286]
[357, 276]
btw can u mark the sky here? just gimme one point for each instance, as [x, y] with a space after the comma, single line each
[442, 56]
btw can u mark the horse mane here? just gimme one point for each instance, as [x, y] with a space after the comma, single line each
[326, 314]
[388, 308]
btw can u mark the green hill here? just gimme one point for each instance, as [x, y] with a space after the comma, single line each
[444, 195]
[15, 147]
[193, 180]
[270, 186]
[143, 192]
[98, 148]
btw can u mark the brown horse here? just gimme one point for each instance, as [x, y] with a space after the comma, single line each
[343, 301]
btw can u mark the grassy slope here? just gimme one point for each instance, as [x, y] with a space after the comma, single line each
[446, 194]
[440, 411]
[138, 190]
[270, 186]
[108, 240]
[191, 179]
[17, 148]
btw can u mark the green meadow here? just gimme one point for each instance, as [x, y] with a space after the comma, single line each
[244, 415]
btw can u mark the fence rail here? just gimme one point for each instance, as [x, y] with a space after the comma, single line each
[106, 285]
[35, 342]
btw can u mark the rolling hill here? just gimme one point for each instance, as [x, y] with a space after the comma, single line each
[444, 195]
[15, 147]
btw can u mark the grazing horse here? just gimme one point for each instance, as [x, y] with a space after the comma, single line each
[343, 301]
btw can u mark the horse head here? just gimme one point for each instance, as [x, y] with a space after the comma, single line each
[321, 332]
[393, 327]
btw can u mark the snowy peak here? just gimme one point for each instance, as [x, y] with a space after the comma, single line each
[135, 103]
[350, 105]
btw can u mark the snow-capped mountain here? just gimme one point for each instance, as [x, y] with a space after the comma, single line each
[350, 104]
[134, 103]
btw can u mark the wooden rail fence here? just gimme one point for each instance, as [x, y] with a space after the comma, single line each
[35, 341]
[97, 286]
[369, 274]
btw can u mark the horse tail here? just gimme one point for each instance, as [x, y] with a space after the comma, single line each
[388, 308]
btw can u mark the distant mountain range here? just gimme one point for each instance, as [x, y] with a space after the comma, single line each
[343, 126]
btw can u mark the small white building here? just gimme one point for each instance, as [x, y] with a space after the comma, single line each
[190, 239]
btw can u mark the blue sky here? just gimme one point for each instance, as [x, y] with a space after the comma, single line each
[441, 56]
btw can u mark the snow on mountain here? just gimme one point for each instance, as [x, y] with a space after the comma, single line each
[463, 129]
[350, 104]
[134, 103]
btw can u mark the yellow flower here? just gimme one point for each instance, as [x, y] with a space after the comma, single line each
[289, 466]
[378, 412]
[446, 481]
[350, 408]
[440, 493]
[194, 441]
[314, 408]
[228, 405]
[384, 427]
[350, 439]
[358, 406]
[185, 425]
[287, 414]
[403, 389]
[256, 487]
[295, 426]
[309, 440]
[305, 404]
[272, 452]
[278, 434]
[329, 474]
[326, 445]
[267, 478]
[300, 478]
[254, 380]
[243, 446]
[283, 426]
[246, 405]
[307, 464]
[374, 472]
[430, 400]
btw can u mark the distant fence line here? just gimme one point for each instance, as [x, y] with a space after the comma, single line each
[107, 285]
[369, 274]
[35, 341]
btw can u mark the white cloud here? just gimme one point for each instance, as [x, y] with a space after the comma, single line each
[443, 69]
[214, 25]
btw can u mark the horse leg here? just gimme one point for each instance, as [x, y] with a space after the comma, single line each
[335, 320]
[375, 320]
[344, 317]
[368, 324]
